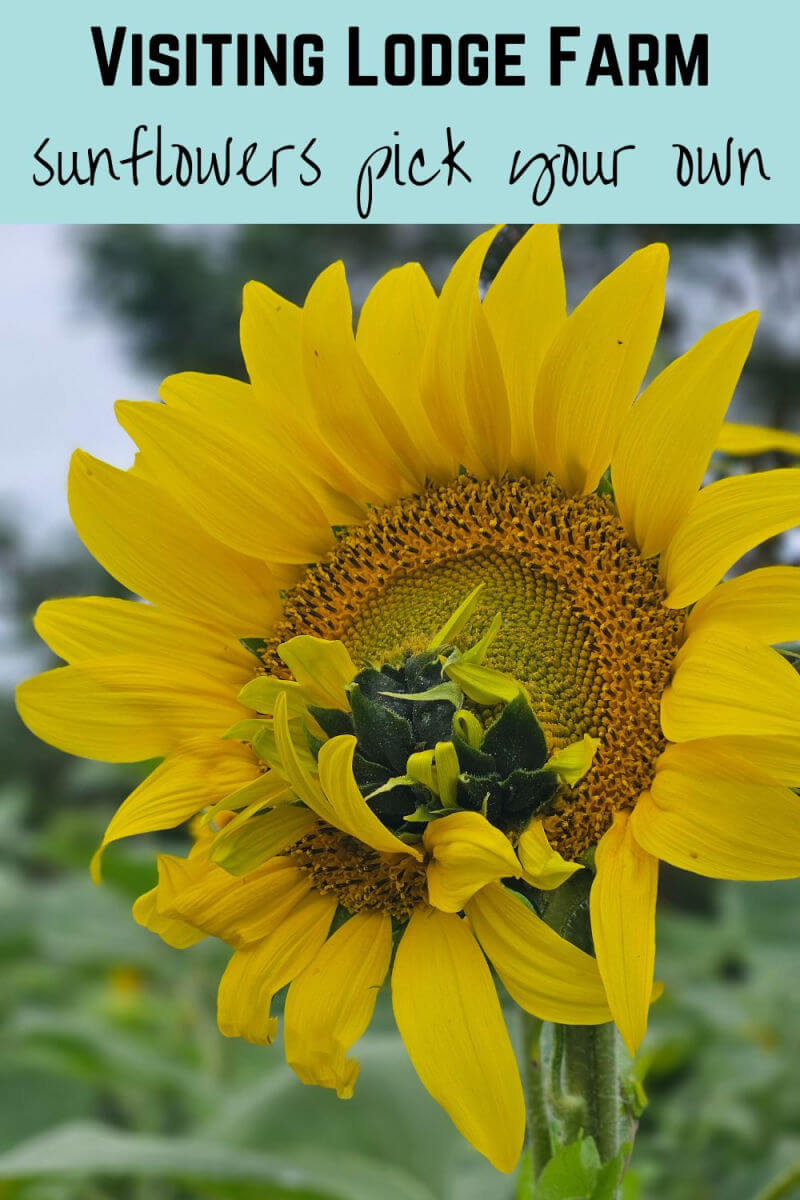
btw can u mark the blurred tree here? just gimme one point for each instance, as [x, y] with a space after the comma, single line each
[176, 291]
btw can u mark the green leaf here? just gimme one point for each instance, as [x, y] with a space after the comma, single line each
[382, 735]
[472, 761]
[88, 1149]
[609, 1178]
[449, 692]
[526, 793]
[245, 731]
[515, 739]
[332, 721]
[255, 645]
[473, 790]
[572, 1174]
[369, 775]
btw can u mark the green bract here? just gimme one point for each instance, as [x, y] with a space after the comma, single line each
[424, 748]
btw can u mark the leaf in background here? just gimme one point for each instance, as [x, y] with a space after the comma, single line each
[572, 1174]
[390, 1119]
[87, 1149]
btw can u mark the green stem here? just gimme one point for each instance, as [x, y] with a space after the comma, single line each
[585, 1096]
[608, 1098]
[783, 1186]
[579, 1115]
[539, 1145]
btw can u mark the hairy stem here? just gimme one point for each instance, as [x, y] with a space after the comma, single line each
[539, 1138]
[584, 1097]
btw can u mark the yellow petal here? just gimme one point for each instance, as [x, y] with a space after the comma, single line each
[525, 306]
[360, 425]
[329, 1006]
[716, 815]
[242, 497]
[777, 758]
[450, 1020]
[197, 774]
[257, 839]
[284, 750]
[670, 433]
[421, 768]
[484, 685]
[459, 620]
[152, 546]
[544, 867]
[463, 387]
[466, 852]
[270, 424]
[267, 790]
[448, 770]
[594, 368]
[341, 804]
[256, 973]
[392, 331]
[262, 693]
[545, 974]
[623, 911]
[238, 911]
[728, 518]
[292, 764]
[727, 686]
[478, 651]
[747, 440]
[323, 669]
[176, 933]
[124, 709]
[272, 344]
[764, 604]
[216, 397]
[82, 627]
[573, 761]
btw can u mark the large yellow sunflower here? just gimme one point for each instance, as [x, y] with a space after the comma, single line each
[414, 655]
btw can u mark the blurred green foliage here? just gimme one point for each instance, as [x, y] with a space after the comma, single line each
[115, 1083]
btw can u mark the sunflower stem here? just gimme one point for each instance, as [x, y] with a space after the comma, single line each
[584, 1098]
[608, 1092]
[539, 1143]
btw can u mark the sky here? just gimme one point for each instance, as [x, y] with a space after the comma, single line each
[63, 366]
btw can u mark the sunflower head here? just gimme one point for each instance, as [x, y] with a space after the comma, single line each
[482, 582]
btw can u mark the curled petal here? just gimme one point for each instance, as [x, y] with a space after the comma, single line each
[330, 1004]
[466, 853]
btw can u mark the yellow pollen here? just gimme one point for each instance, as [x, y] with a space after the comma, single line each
[584, 624]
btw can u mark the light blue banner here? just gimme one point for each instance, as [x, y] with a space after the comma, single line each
[350, 150]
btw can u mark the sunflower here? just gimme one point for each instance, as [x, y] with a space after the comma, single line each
[378, 782]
